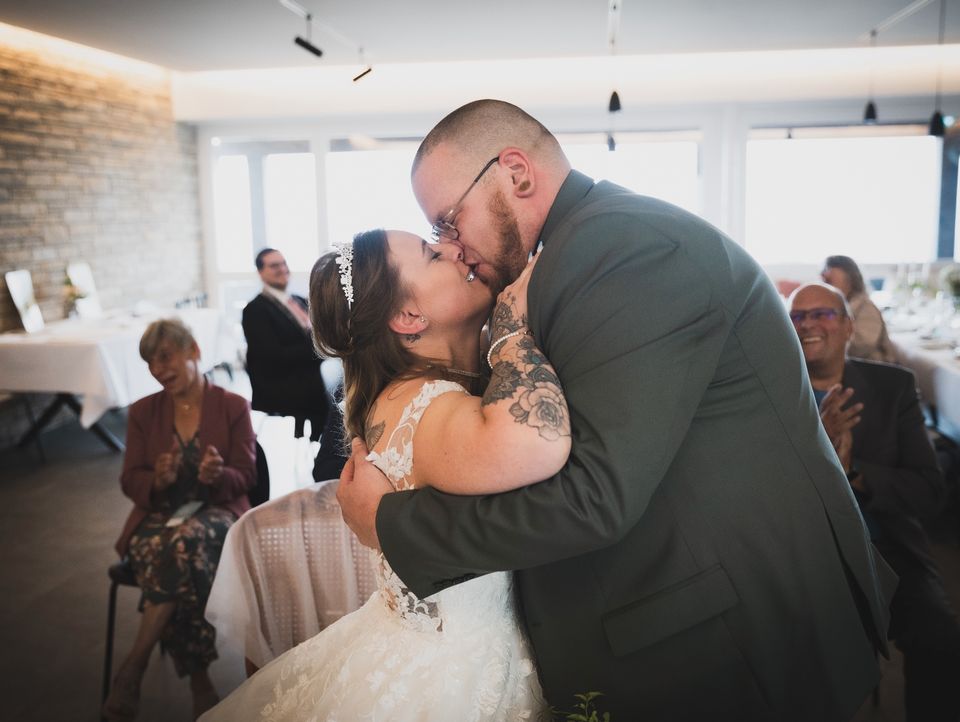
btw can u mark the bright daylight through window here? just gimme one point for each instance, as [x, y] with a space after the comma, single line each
[371, 188]
[879, 202]
[265, 194]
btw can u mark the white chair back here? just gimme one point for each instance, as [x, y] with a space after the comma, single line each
[80, 275]
[20, 284]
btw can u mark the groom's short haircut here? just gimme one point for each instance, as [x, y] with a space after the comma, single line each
[483, 128]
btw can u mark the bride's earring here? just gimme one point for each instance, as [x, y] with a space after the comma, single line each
[413, 337]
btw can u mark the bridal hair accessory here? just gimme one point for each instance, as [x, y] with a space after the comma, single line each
[345, 264]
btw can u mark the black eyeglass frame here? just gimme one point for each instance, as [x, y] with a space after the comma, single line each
[443, 227]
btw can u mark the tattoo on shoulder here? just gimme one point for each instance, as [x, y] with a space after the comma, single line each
[373, 433]
[505, 318]
[540, 403]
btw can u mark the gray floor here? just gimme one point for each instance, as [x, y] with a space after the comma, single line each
[58, 522]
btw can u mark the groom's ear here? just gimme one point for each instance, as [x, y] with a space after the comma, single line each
[408, 322]
[521, 173]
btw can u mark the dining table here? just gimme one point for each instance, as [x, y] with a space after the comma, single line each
[93, 365]
[927, 341]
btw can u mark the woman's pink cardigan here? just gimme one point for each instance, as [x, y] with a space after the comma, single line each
[224, 424]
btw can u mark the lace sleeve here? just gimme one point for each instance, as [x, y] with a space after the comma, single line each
[396, 460]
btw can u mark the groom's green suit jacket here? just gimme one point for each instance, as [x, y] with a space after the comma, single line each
[701, 555]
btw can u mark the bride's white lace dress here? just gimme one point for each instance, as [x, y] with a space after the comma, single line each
[457, 656]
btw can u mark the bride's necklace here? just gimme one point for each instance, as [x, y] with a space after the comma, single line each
[461, 372]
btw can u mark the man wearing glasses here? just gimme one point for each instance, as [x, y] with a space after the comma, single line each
[872, 415]
[283, 366]
[701, 555]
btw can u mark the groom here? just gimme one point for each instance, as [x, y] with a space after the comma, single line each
[701, 555]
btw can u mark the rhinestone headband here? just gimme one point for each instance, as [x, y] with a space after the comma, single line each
[345, 263]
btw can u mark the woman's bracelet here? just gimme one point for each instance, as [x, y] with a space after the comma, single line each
[502, 340]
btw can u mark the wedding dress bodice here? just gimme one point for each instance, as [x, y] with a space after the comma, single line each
[464, 608]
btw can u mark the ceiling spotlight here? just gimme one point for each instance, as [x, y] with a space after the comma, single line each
[870, 113]
[614, 105]
[307, 45]
[611, 143]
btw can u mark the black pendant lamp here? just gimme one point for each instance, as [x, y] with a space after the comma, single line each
[870, 111]
[937, 128]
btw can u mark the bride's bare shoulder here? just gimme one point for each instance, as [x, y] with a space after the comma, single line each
[388, 408]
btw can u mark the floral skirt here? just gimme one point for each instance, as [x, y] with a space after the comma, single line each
[177, 564]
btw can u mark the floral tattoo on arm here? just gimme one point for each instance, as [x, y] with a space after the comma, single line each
[526, 371]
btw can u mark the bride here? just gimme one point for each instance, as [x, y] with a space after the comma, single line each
[406, 317]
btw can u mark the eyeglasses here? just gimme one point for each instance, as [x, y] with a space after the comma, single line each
[444, 227]
[815, 314]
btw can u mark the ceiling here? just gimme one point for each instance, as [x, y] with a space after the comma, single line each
[231, 34]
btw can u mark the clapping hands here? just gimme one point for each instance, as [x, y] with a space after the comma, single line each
[166, 466]
[211, 466]
[839, 420]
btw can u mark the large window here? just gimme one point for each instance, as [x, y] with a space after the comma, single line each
[371, 189]
[368, 180]
[265, 194]
[873, 197]
[663, 165]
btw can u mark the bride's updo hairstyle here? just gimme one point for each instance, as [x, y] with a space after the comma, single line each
[373, 355]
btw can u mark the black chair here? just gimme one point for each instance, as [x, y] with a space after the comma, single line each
[121, 573]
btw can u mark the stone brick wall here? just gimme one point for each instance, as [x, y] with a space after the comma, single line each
[94, 168]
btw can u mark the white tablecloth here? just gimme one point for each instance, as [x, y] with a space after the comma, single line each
[937, 368]
[98, 360]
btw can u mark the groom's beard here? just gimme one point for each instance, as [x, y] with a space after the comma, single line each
[510, 259]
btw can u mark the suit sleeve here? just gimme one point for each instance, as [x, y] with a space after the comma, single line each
[914, 485]
[268, 345]
[634, 332]
[137, 476]
[239, 461]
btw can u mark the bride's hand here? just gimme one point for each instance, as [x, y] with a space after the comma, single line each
[362, 485]
[510, 313]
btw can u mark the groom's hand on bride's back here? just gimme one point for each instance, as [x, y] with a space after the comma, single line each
[362, 485]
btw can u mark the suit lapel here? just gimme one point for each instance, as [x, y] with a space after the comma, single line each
[282, 308]
[862, 393]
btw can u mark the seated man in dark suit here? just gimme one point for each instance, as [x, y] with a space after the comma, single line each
[872, 415]
[283, 366]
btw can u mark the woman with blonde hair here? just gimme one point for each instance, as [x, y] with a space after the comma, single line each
[189, 463]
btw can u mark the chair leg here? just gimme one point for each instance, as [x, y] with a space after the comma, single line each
[108, 652]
